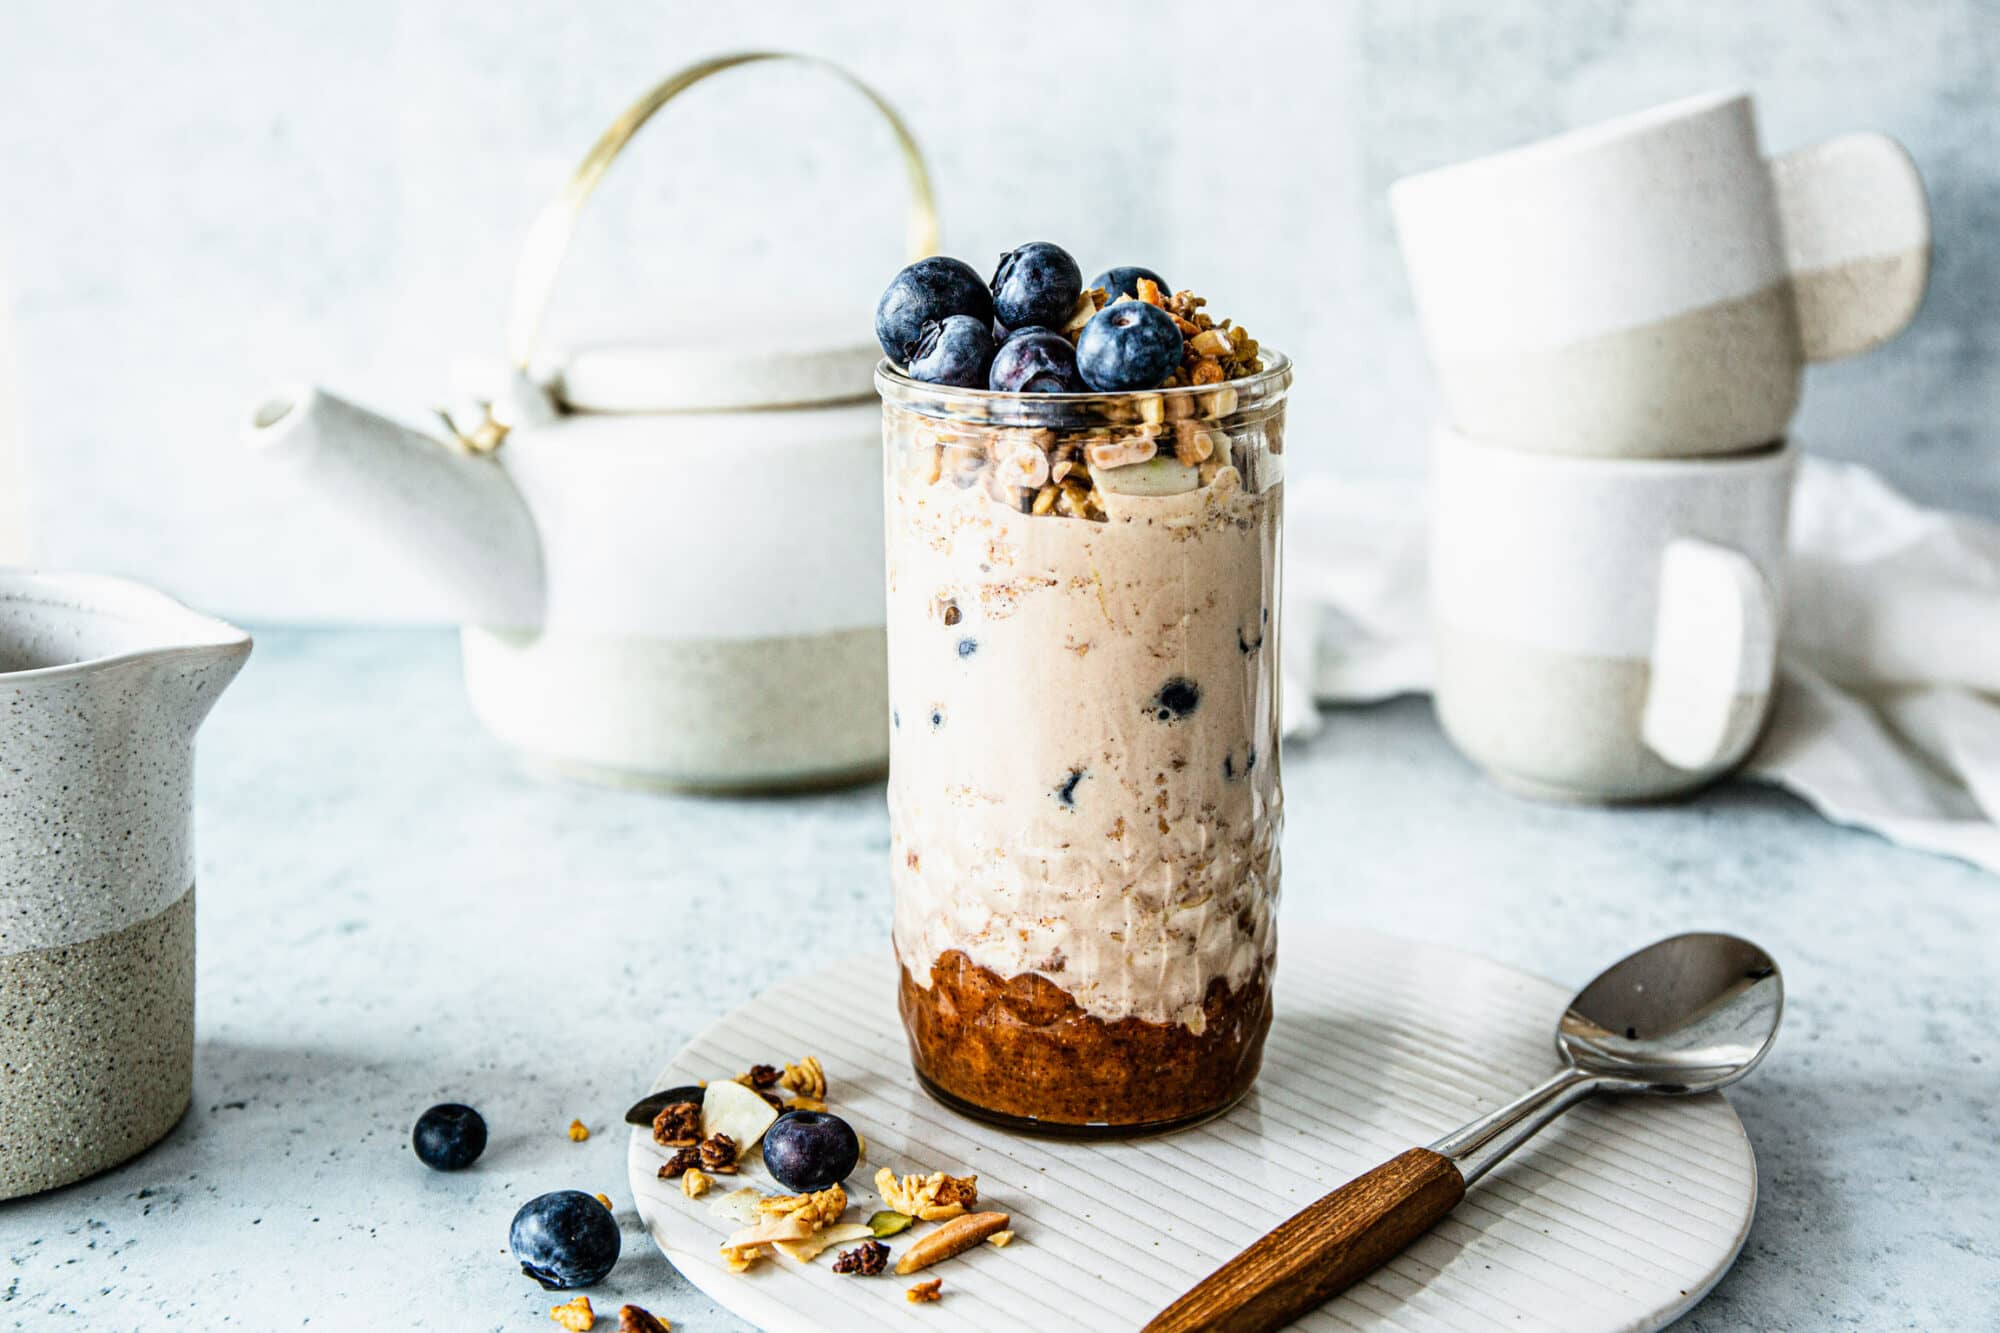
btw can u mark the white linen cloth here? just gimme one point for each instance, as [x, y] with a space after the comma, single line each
[1888, 713]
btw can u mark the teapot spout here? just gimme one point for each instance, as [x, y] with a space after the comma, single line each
[456, 516]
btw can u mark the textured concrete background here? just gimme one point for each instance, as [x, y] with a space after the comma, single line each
[199, 199]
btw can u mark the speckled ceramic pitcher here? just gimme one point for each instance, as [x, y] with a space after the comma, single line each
[102, 686]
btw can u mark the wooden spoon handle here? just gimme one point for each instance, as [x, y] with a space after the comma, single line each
[1321, 1250]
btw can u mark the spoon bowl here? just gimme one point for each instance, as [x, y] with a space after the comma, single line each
[1689, 1014]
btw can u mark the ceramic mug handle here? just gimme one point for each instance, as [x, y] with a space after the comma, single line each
[1857, 228]
[1715, 640]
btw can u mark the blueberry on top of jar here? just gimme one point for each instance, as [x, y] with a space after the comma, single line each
[1036, 361]
[1124, 281]
[1036, 283]
[1130, 345]
[956, 351]
[928, 291]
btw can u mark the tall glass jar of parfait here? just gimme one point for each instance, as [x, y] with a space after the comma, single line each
[1083, 791]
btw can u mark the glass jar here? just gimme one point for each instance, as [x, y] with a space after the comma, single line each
[1083, 788]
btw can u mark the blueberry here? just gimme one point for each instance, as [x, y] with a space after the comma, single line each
[1117, 282]
[810, 1150]
[929, 290]
[956, 351]
[1037, 362]
[1036, 284]
[449, 1137]
[1176, 699]
[1130, 345]
[564, 1239]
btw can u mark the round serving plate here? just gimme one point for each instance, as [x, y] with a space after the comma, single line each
[1620, 1216]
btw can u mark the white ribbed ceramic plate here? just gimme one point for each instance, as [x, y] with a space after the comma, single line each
[1621, 1216]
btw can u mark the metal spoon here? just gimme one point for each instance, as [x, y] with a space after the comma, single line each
[1689, 1014]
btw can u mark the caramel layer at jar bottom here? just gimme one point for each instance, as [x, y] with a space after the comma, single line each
[1023, 1049]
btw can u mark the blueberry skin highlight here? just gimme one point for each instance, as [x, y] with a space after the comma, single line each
[1130, 345]
[810, 1150]
[956, 351]
[1037, 283]
[1037, 362]
[565, 1239]
[1117, 282]
[928, 291]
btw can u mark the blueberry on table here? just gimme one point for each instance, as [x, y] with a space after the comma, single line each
[1130, 345]
[928, 291]
[564, 1239]
[810, 1150]
[1037, 362]
[1036, 284]
[1117, 282]
[449, 1137]
[956, 350]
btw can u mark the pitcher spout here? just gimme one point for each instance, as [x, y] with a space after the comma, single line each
[456, 516]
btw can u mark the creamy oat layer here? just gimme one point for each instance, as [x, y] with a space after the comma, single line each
[1083, 756]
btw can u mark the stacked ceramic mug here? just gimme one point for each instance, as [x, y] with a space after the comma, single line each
[1619, 319]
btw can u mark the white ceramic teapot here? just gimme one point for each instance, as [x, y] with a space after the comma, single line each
[625, 618]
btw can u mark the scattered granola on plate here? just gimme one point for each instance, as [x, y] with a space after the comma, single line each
[578, 1131]
[925, 1292]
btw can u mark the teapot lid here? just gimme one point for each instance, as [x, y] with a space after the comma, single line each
[743, 364]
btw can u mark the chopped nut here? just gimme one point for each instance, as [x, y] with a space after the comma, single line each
[759, 1077]
[684, 1159]
[1045, 498]
[953, 1238]
[924, 1292]
[819, 1209]
[1207, 371]
[1149, 292]
[1026, 466]
[1000, 1239]
[718, 1154]
[933, 1198]
[1211, 343]
[864, 1260]
[695, 1182]
[1121, 453]
[576, 1315]
[578, 1131]
[807, 1077]
[632, 1319]
[1193, 444]
[678, 1125]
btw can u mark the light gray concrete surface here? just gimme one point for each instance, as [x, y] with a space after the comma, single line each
[198, 200]
[392, 915]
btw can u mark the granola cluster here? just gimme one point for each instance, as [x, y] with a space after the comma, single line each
[803, 1226]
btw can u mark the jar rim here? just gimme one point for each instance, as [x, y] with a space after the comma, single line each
[1264, 389]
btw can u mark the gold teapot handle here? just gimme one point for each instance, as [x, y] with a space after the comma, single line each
[549, 236]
